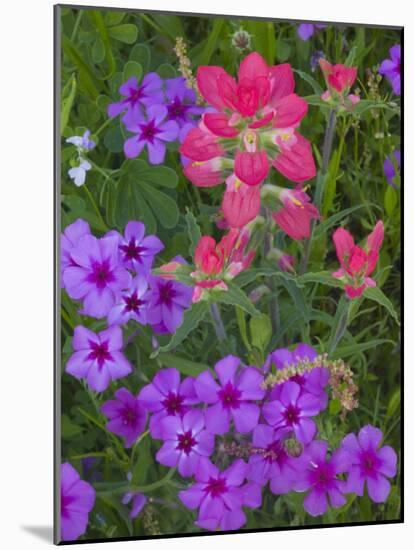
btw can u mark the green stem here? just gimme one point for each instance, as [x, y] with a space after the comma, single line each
[103, 126]
[76, 25]
[326, 155]
[218, 322]
[95, 206]
[341, 324]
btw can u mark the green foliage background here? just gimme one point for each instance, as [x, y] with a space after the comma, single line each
[100, 49]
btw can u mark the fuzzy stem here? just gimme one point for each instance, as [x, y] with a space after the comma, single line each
[218, 322]
[326, 155]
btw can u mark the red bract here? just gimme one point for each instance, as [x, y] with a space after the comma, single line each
[357, 263]
[338, 77]
[296, 214]
[241, 202]
[217, 263]
[254, 126]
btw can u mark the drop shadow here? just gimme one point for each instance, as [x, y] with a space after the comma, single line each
[42, 532]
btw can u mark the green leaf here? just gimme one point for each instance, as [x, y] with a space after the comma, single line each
[236, 297]
[97, 19]
[87, 79]
[241, 321]
[156, 175]
[164, 207]
[334, 407]
[394, 403]
[185, 366]
[317, 90]
[192, 318]
[67, 103]
[98, 51]
[390, 200]
[170, 24]
[126, 33]
[114, 17]
[365, 105]
[261, 331]
[114, 140]
[378, 296]
[251, 275]
[68, 428]
[144, 460]
[142, 55]
[352, 349]
[193, 230]
[330, 222]
[132, 68]
[166, 71]
[323, 277]
[211, 44]
[297, 296]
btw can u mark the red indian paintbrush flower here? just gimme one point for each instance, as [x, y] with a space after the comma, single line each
[339, 80]
[357, 263]
[218, 263]
[296, 212]
[254, 126]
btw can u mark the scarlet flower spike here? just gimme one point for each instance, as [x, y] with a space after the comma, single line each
[357, 262]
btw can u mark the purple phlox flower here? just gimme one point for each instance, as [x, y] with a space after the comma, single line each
[139, 500]
[185, 441]
[78, 173]
[152, 130]
[136, 96]
[137, 251]
[68, 240]
[390, 163]
[96, 278]
[127, 416]
[391, 68]
[232, 397]
[307, 30]
[313, 382]
[369, 463]
[292, 412]
[181, 102]
[169, 300]
[167, 396]
[270, 461]
[131, 303]
[319, 476]
[77, 498]
[82, 143]
[218, 495]
[98, 357]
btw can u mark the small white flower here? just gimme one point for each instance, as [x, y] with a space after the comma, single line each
[78, 173]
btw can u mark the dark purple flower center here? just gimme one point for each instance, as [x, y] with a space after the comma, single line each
[149, 131]
[166, 293]
[186, 442]
[65, 502]
[323, 475]
[173, 403]
[274, 452]
[133, 303]
[299, 379]
[129, 417]
[101, 275]
[132, 250]
[99, 353]
[216, 487]
[369, 462]
[230, 396]
[135, 95]
[177, 110]
[292, 414]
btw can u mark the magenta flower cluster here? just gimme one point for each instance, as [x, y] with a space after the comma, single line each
[155, 112]
[112, 277]
[273, 429]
